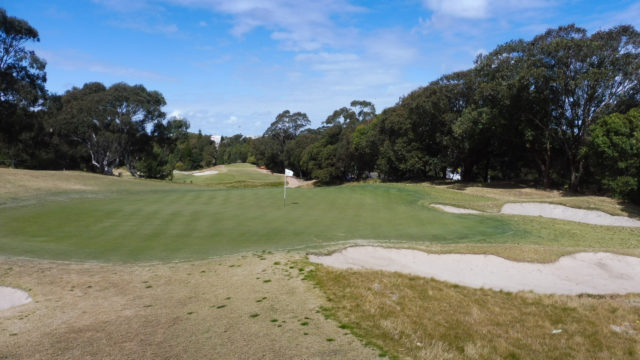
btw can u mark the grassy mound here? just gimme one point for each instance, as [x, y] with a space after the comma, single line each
[232, 176]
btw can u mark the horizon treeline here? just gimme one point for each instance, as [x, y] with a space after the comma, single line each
[561, 110]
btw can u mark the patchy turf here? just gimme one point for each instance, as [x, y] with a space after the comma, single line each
[197, 310]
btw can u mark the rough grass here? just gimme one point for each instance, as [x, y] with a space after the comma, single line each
[422, 318]
[233, 176]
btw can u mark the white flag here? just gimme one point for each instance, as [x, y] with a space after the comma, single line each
[288, 172]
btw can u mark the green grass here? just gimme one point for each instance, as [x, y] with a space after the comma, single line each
[233, 176]
[142, 221]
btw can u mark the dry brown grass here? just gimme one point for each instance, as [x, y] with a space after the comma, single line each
[428, 319]
[17, 184]
[197, 310]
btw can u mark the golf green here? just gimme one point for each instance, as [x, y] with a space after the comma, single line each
[163, 223]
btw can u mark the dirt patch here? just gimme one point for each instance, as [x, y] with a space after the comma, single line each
[241, 307]
[590, 273]
[294, 182]
[567, 213]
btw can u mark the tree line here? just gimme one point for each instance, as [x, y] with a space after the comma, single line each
[560, 110]
[94, 127]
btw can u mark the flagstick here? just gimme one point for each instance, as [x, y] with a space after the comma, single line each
[284, 199]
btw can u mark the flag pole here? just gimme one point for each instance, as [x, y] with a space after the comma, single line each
[284, 199]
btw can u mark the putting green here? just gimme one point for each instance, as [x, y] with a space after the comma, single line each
[186, 222]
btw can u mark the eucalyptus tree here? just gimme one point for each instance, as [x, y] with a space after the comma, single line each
[286, 127]
[22, 82]
[112, 123]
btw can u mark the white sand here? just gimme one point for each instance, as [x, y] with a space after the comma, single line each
[210, 172]
[592, 273]
[568, 213]
[10, 297]
[455, 210]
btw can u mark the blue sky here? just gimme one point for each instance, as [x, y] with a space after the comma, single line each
[231, 66]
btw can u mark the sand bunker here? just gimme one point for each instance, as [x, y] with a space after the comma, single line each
[553, 211]
[591, 273]
[455, 210]
[10, 297]
[567, 213]
[210, 172]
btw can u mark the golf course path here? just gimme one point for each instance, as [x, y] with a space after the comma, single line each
[592, 273]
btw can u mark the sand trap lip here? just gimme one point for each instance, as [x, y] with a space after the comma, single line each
[455, 210]
[590, 273]
[567, 213]
[553, 211]
[10, 297]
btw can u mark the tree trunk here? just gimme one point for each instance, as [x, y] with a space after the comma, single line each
[576, 173]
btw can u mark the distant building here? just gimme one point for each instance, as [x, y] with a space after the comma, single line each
[216, 139]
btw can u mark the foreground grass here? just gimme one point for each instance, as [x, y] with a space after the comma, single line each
[188, 310]
[233, 176]
[422, 318]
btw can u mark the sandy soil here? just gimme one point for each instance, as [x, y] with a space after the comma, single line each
[592, 273]
[455, 210]
[567, 213]
[10, 297]
[194, 310]
[294, 182]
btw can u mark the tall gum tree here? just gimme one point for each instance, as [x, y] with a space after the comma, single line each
[22, 80]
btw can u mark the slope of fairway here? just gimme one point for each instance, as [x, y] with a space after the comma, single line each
[232, 176]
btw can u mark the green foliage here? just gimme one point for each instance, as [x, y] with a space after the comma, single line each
[615, 153]
[110, 122]
[233, 149]
[22, 87]
[194, 151]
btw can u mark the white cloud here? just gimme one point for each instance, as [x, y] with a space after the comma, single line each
[470, 9]
[482, 9]
[298, 25]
